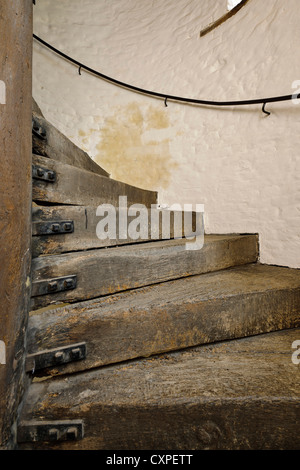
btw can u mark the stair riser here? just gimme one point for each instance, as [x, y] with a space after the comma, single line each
[75, 186]
[113, 337]
[86, 220]
[241, 394]
[202, 426]
[102, 272]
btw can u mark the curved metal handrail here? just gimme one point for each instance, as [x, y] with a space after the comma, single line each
[165, 96]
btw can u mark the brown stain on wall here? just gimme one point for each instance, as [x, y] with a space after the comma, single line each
[126, 152]
[157, 118]
[84, 139]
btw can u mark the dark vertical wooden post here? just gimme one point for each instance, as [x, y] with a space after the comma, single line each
[15, 205]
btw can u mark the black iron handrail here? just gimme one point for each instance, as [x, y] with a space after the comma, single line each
[165, 96]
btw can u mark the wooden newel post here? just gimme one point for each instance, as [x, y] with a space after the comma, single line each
[15, 206]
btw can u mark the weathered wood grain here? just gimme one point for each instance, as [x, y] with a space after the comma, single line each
[236, 395]
[227, 304]
[58, 147]
[85, 224]
[76, 186]
[15, 206]
[106, 271]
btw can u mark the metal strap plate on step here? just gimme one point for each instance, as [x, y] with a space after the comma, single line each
[52, 228]
[41, 431]
[38, 130]
[51, 286]
[55, 357]
[44, 174]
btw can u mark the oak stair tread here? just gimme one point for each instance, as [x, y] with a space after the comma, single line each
[78, 186]
[106, 271]
[233, 303]
[238, 394]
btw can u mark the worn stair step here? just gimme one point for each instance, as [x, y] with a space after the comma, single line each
[51, 235]
[76, 186]
[233, 303]
[48, 141]
[235, 395]
[106, 271]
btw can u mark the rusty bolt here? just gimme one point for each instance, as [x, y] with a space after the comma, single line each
[59, 356]
[68, 283]
[53, 434]
[68, 227]
[75, 353]
[52, 286]
[55, 227]
[72, 433]
[40, 172]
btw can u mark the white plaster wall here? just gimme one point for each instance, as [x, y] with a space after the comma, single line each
[242, 165]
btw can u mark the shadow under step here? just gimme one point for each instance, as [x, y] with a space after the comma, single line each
[240, 394]
[233, 303]
[89, 274]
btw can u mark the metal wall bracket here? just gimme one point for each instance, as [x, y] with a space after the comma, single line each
[38, 130]
[55, 357]
[44, 174]
[43, 431]
[51, 286]
[52, 228]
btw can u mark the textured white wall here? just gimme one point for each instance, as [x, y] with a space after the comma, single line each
[242, 165]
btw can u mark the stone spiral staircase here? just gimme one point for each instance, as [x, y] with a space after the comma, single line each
[141, 344]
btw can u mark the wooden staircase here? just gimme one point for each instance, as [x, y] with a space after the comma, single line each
[141, 344]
